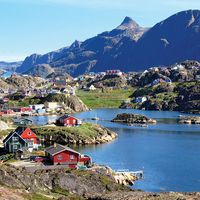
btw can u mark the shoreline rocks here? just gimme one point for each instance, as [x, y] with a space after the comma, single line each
[97, 184]
[133, 119]
[189, 120]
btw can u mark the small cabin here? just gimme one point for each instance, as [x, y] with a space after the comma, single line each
[67, 120]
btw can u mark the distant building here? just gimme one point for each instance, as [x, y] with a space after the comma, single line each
[52, 105]
[114, 72]
[8, 112]
[23, 109]
[67, 120]
[198, 77]
[22, 121]
[37, 107]
[91, 88]
[6, 100]
[140, 99]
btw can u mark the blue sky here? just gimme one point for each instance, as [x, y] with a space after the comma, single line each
[39, 26]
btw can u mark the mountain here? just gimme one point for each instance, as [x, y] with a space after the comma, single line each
[129, 47]
[42, 70]
[173, 40]
[10, 65]
[83, 56]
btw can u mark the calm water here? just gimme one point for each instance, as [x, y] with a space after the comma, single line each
[168, 152]
[6, 74]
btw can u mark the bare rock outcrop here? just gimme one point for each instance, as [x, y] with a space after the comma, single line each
[133, 119]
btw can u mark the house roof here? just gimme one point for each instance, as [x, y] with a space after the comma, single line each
[19, 130]
[21, 120]
[55, 149]
[11, 135]
[65, 117]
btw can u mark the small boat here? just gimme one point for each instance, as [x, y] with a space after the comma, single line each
[95, 118]
[25, 114]
[140, 125]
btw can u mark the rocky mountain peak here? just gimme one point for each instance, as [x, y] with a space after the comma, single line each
[128, 23]
[76, 44]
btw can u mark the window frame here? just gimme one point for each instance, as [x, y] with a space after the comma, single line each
[71, 157]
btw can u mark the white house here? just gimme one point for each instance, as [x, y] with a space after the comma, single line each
[140, 99]
[37, 107]
[92, 87]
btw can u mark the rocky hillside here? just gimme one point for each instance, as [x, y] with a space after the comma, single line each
[61, 184]
[109, 81]
[20, 82]
[172, 40]
[41, 70]
[175, 96]
[186, 71]
[70, 103]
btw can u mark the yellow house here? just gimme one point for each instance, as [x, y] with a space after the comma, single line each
[52, 105]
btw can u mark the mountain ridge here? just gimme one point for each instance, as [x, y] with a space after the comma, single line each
[172, 40]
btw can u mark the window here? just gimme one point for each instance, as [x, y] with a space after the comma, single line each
[15, 147]
[29, 133]
[15, 139]
[59, 157]
[71, 157]
[30, 144]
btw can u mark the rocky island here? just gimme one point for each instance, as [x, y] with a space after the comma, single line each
[87, 133]
[189, 120]
[133, 119]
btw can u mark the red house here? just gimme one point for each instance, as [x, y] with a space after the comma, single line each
[8, 112]
[67, 120]
[5, 100]
[1, 113]
[23, 109]
[27, 134]
[59, 154]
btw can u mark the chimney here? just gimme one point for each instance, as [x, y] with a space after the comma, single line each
[55, 145]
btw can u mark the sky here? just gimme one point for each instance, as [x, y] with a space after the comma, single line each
[40, 26]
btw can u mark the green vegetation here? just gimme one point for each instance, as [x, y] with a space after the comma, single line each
[86, 130]
[5, 132]
[36, 196]
[165, 96]
[24, 102]
[105, 98]
[65, 193]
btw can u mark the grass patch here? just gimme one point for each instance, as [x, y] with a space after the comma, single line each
[86, 130]
[36, 196]
[5, 132]
[66, 193]
[104, 99]
[24, 102]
